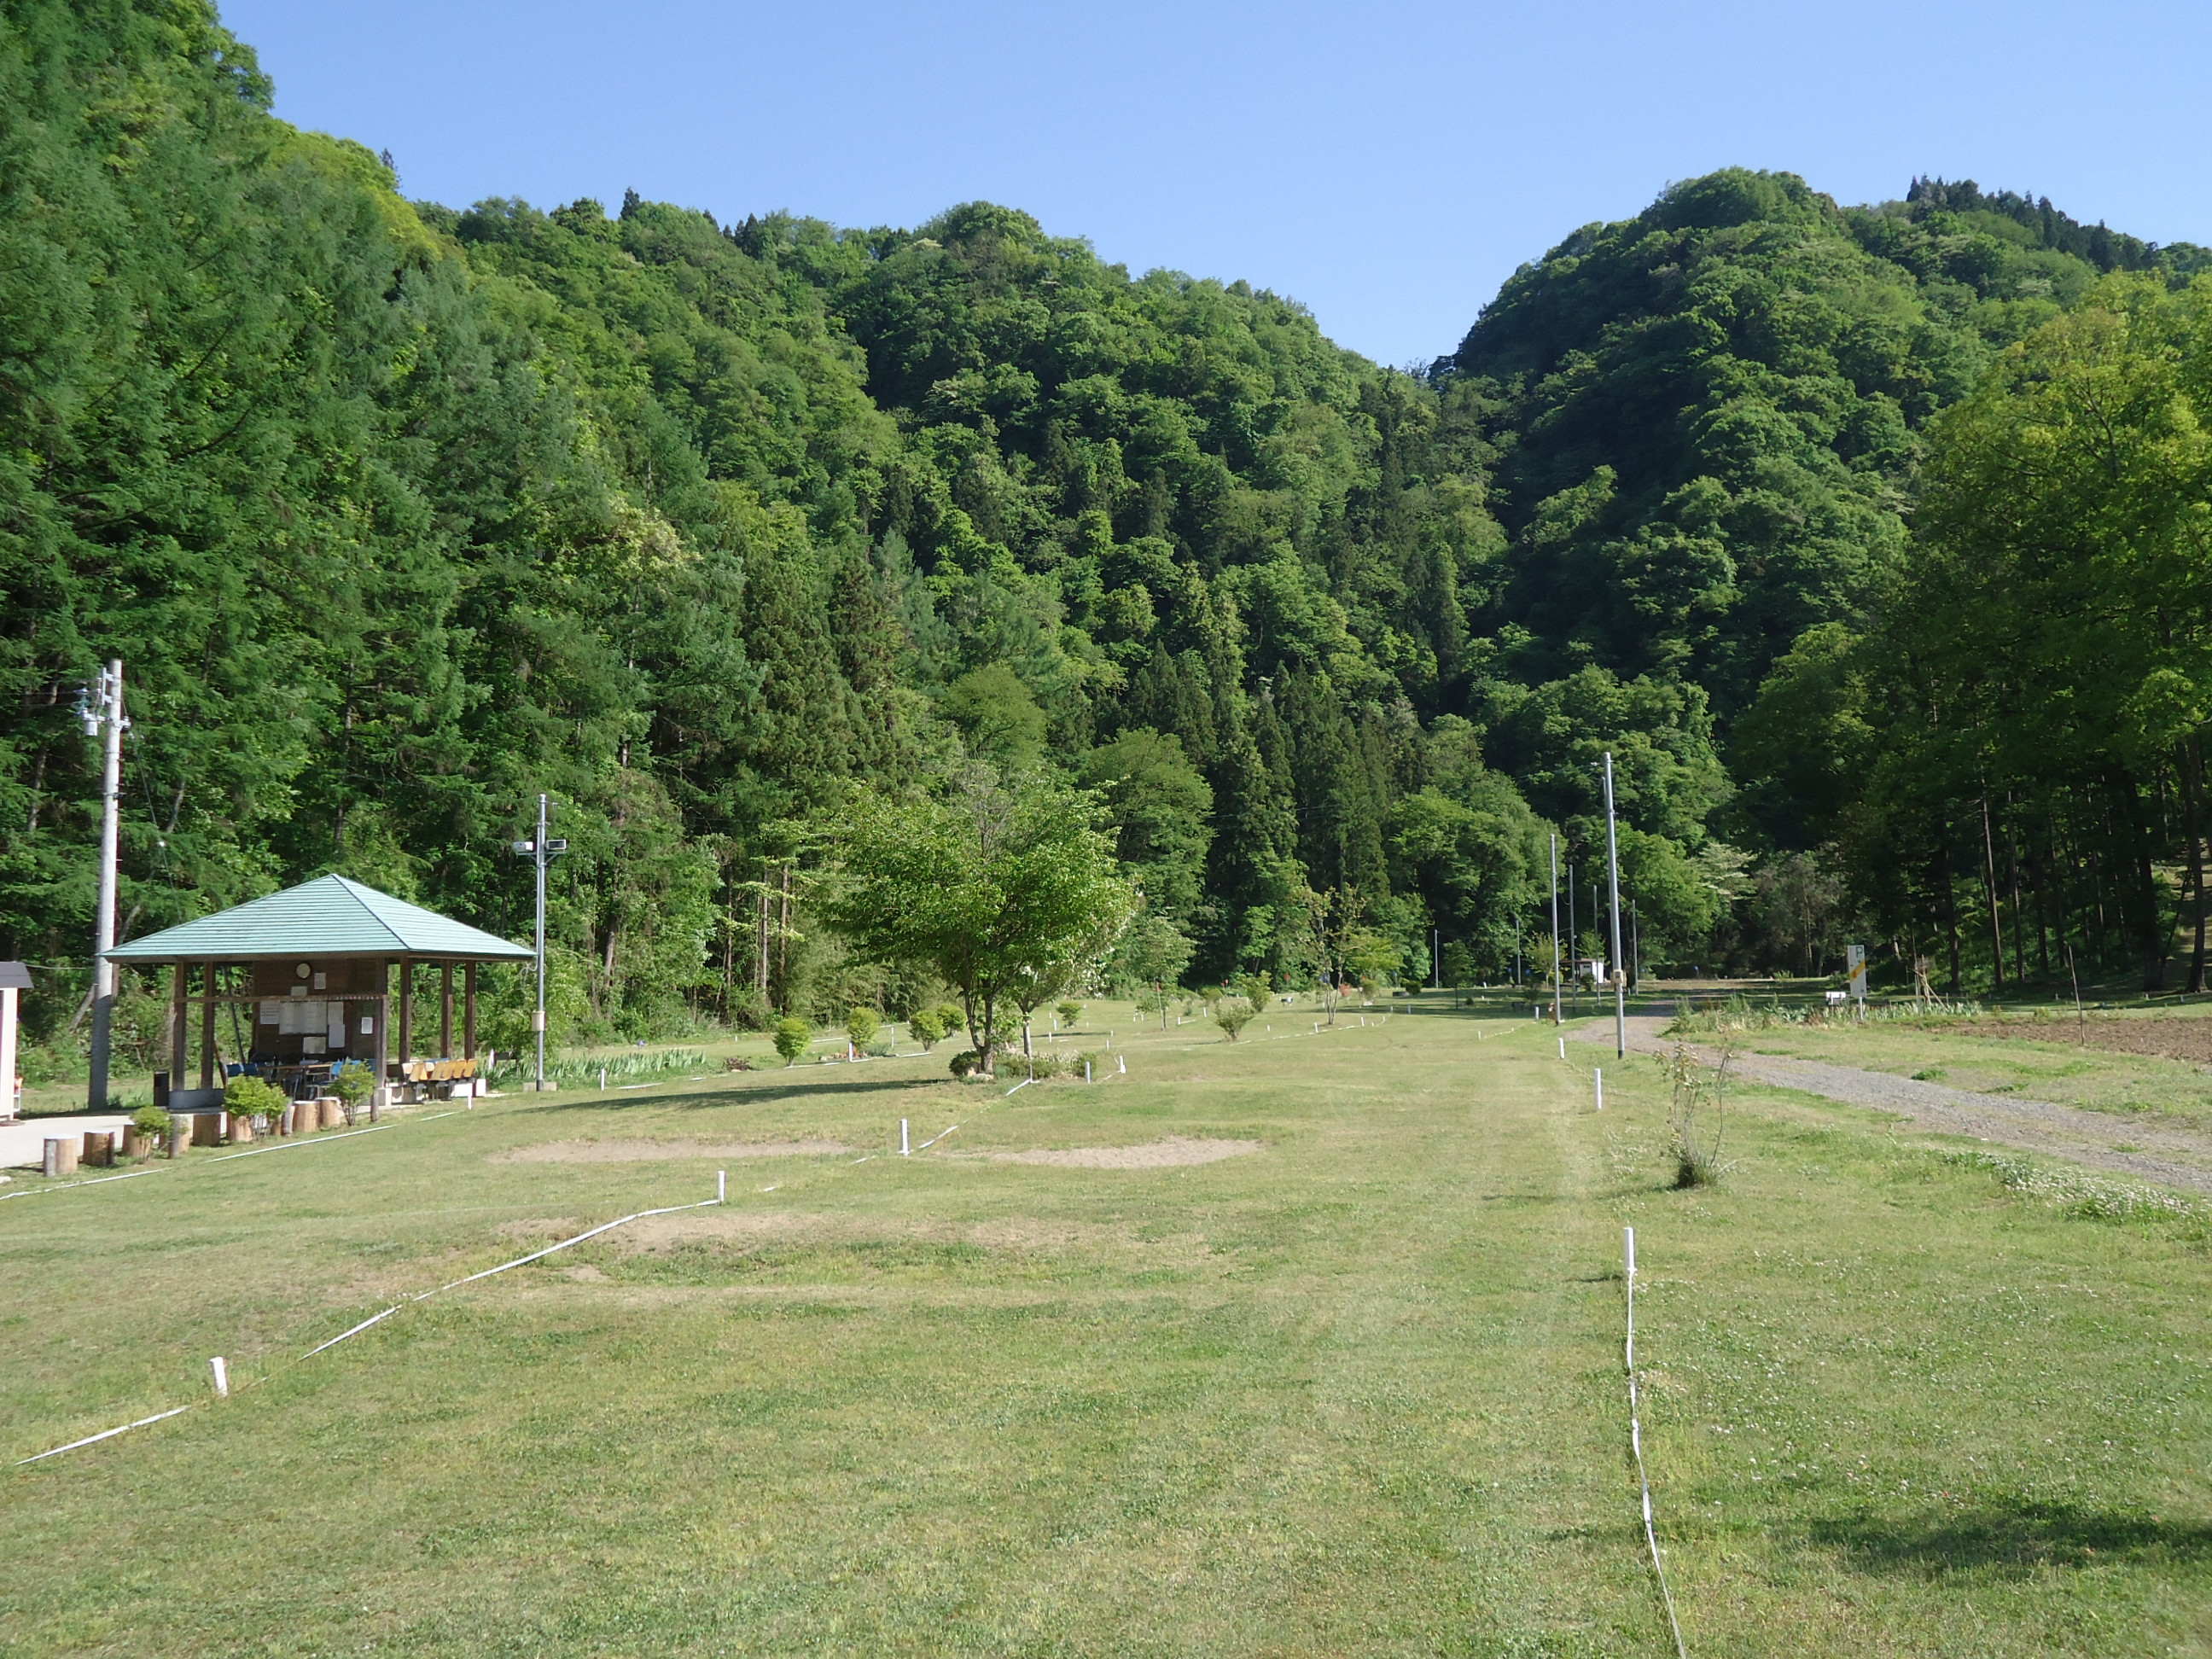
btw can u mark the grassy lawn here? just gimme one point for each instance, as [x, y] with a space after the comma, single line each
[1355, 1392]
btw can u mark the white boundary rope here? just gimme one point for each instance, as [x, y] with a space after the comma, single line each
[1636, 1440]
[378, 1318]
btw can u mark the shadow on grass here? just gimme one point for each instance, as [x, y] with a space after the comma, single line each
[791, 1089]
[2011, 1539]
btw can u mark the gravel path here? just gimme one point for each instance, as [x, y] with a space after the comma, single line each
[2168, 1157]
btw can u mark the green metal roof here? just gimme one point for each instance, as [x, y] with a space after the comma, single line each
[329, 916]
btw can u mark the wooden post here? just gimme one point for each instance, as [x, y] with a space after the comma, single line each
[406, 1011]
[178, 1047]
[469, 1012]
[446, 1013]
[207, 1025]
[383, 1018]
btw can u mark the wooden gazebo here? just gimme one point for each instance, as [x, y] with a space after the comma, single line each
[311, 969]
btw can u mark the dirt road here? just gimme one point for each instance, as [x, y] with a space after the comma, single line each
[2125, 1145]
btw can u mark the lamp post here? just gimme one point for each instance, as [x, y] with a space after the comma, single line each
[1555, 930]
[102, 710]
[540, 852]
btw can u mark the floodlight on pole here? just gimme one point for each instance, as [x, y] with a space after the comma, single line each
[1613, 876]
[101, 708]
[1555, 930]
[540, 851]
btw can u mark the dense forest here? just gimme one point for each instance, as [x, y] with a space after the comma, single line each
[1870, 541]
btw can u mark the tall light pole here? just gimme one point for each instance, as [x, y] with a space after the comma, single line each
[1612, 880]
[102, 710]
[540, 852]
[1574, 939]
[1555, 930]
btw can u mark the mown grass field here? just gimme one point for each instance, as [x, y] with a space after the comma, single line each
[1356, 1392]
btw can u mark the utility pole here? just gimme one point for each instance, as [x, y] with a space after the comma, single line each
[538, 1022]
[102, 710]
[1436, 959]
[1555, 930]
[1613, 879]
[540, 852]
[1574, 938]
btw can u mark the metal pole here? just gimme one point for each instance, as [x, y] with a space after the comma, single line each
[1555, 930]
[1574, 938]
[1436, 961]
[538, 847]
[1612, 880]
[109, 708]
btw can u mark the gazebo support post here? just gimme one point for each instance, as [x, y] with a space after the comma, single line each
[406, 1011]
[469, 1012]
[207, 1025]
[179, 1032]
[383, 1032]
[446, 1013]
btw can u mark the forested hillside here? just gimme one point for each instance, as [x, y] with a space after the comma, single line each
[399, 514]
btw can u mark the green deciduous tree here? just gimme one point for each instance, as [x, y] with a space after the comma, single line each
[995, 885]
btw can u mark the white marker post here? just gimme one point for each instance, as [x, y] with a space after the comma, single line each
[1563, 1048]
[1628, 1257]
[1086, 1071]
[221, 1377]
[1597, 1076]
[722, 1186]
[1123, 1062]
[904, 1145]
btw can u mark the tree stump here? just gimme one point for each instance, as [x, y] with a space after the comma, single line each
[61, 1157]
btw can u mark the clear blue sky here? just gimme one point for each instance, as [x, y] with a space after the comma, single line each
[1387, 164]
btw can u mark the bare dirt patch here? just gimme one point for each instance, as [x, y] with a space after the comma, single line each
[2187, 1040]
[530, 1228]
[1163, 1154]
[1016, 1234]
[659, 1232]
[644, 1151]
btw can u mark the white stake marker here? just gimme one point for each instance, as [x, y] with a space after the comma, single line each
[902, 1140]
[221, 1377]
[1597, 1076]
[722, 1186]
[1124, 1062]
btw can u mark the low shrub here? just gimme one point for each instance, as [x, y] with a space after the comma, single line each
[861, 1025]
[352, 1085]
[252, 1098]
[792, 1034]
